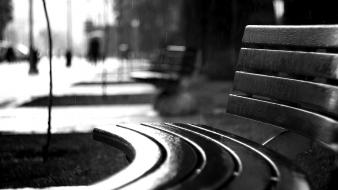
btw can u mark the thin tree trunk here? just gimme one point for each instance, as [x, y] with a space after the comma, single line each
[50, 103]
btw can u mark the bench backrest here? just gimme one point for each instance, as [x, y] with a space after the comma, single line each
[288, 76]
[178, 59]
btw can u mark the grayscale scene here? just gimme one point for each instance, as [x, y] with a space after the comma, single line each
[169, 94]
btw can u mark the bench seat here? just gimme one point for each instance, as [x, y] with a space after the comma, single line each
[186, 156]
[159, 79]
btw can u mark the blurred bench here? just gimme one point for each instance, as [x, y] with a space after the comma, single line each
[282, 80]
[169, 67]
[167, 72]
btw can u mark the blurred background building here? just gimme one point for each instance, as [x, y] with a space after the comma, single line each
[214, 27]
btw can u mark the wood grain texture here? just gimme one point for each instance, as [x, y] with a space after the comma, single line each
[169, 169]
[288, 175]
[251, 165]
[315, 96]
[173, 168]
[180, 156]
[310, 124]
[261, 168]
[294, 62]
[216, 171]
[318, 36]
[144, 160]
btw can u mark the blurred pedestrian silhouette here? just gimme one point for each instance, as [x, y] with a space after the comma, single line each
[93, 53]
[124, 52]
[10, 54]
[69, 56]
[33, 61]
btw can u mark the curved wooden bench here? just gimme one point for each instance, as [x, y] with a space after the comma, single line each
[286, 76]
[197, 157]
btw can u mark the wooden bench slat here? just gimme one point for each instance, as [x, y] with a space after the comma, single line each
[225, 160]
[284, 175]
[316, 96]
[307, 123]
[294, 62]
[159, 79]
[319, 36]
[174, 168]
[218, 163]
[178, 161]
[256, 173]
[167, 172]
[144, 160]
[155, 75]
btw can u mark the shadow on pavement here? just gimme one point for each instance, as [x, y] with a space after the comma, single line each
[83, 100]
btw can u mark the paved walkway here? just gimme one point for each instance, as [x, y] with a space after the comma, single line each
[82, 78]
[80, 118]
[17, 87]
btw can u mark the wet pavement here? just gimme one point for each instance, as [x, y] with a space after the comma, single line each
[85, 80]
[17, 86]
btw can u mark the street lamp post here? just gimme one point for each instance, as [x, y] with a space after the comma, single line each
[33, 54]
[135, 24]
[69, 52]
